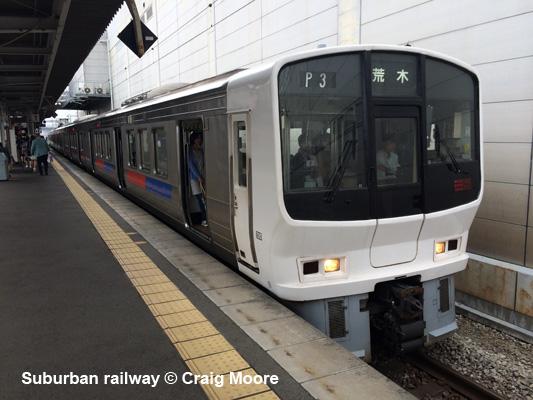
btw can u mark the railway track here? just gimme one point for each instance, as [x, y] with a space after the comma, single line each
[448, 377]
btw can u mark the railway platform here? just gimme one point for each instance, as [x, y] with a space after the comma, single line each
[99, 299]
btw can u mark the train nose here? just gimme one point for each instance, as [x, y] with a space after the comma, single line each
[396, 240]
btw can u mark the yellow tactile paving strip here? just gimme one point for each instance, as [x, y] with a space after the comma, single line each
[201, 346]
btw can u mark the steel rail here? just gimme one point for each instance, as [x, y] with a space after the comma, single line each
[460, 383]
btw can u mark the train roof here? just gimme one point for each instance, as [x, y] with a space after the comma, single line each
[168, 93]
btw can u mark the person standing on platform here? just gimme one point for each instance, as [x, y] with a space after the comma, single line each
[8, 156]
[33, 159]
[40, 149]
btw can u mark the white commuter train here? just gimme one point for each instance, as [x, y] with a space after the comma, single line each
[343, 180]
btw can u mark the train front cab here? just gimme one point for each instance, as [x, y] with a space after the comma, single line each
[395, 237]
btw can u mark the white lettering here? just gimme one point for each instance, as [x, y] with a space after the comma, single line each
[323, 83]
[183, 378]
[379, 75]
[26, 378]
[402, 76]
[188, 378]
[308, 77]
[125, 379]
[68, 379]
[238, 378]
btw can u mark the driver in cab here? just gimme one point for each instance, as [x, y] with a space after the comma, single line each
[387, 159]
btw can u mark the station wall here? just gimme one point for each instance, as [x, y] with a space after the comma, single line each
[497, 39]
[200, 39]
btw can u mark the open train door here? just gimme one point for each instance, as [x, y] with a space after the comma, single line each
[242, 190]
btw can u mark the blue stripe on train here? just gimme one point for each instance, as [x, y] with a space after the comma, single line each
[109, 167]
[160, 188]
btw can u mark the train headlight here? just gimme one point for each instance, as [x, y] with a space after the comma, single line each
[311, 269]
[332, 264]
[447, 248]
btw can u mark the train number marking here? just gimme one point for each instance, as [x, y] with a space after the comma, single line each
[312, 79]
[321, 82]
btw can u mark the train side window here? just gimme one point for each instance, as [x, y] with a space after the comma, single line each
[144, 142]
[98, 140]
[110, 145]
[73, 141]
[132, 149]
[240, 130]
[160, 146]
[102, 144]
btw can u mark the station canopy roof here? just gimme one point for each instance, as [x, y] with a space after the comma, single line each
[42, 45]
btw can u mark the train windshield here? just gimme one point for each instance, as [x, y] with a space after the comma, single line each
[322, 121]
[450, 114]
[405, 142]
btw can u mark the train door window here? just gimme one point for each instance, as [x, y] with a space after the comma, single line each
[82, 140]
[160, 146]
[240, 129]
[107, 146]
[132, 149]
[144, 142]
[397, 155]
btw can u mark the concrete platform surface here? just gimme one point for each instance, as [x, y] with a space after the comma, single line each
[92, 285]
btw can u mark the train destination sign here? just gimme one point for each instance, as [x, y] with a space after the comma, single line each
[338, 74]
[394, 75]
[311, 79]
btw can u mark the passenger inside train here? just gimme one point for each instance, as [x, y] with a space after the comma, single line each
[197, 172]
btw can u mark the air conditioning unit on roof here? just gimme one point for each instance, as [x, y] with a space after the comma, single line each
[88, 90]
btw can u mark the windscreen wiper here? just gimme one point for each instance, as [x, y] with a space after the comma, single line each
[456, 166]
[338, 172]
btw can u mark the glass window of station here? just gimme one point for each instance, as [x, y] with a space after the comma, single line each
[339, 115]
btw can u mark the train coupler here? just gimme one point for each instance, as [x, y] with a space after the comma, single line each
[398, 321]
